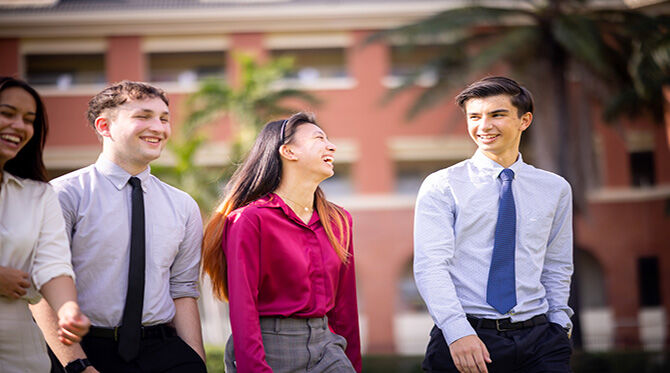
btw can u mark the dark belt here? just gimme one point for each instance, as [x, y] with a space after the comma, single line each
[507, 324]
[160, 331]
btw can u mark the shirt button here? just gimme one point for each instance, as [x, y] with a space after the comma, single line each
[512, 313]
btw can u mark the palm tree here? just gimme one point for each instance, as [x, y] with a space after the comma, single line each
[247, 106]
[544, 42]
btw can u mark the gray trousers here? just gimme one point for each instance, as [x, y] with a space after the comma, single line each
[298, 345]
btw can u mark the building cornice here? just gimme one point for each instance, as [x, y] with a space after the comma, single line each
[221, 20]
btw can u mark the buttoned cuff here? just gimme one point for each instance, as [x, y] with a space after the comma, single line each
[457, 329]
[560, 317]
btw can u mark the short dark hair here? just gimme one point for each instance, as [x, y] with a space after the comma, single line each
[28, 162]
[520, 97]
[119, 93]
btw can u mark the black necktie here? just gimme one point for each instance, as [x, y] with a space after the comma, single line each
[129, 331]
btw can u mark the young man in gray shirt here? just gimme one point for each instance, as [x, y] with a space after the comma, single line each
[135, 245]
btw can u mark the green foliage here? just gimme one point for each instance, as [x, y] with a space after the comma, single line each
[248, 106]
[625, 50]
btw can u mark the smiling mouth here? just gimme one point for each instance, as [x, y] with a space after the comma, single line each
[328, 159]
[487, 137]
[14, 139]
[151, 140]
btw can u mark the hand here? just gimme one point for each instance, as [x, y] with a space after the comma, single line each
[90, 370]
[72, 323]
[13, 282]
[470, 354]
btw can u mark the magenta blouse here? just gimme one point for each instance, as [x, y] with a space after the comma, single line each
[278, 266]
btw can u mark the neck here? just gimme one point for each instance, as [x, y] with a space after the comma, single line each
[298, 190]
[131, 168]
[504, 159]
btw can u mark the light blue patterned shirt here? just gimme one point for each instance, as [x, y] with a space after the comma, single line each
[454, 224]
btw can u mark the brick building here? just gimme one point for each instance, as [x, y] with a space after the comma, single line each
[70, 49]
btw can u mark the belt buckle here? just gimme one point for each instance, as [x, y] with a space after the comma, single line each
[116, 334]
[503, 329]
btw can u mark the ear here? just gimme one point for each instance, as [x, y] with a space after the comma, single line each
[526, 120]
[102, 126]
[286, 152]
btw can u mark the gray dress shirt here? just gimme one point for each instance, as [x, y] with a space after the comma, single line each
[454, 225]
[96, 204]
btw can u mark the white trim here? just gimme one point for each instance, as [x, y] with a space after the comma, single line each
[281, 41]
[70, 157]
[320, 84]
[616, 195]
[63, 46]
[185, 43]
[394, 81]
[88, 90]
[420, 148]
[376, 202]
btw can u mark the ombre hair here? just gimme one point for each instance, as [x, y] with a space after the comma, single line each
[28, 162]
[259, 175]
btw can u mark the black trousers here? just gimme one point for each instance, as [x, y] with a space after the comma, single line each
[542, 348]
[166, 355]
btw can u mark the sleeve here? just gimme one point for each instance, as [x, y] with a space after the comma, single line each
[343, 318]
[52, 250]
[434, 217]
[241, 244]
[68, 205]
[186, 266]
[558, 267]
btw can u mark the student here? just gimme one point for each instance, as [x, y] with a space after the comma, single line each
[287, 264]
[135, 244]
[35, 258]
[493, 247]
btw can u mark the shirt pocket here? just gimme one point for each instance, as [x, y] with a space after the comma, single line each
[536, 232]
[165, 241]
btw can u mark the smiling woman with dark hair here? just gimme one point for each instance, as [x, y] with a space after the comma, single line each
[35, 256]
[283, 257]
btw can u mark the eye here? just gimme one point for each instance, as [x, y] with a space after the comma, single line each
[165, 120]
[7, 114]
[30, 121]
[142, 116]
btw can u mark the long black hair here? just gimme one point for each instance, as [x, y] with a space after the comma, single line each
[28, 162]
[260, 174]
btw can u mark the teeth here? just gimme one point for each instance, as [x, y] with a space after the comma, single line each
[11, 138]
[151, 139]
[328, 159]
[487, 136]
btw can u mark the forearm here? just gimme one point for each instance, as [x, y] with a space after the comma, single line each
[58, 291]
[187, 323]
[48, 322]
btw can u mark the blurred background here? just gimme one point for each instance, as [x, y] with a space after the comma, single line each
[381, 77]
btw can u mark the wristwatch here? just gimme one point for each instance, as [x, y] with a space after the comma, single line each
[77, 366]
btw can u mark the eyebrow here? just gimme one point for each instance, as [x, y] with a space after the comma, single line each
[149, 111]
[14, 108]
[497, 111]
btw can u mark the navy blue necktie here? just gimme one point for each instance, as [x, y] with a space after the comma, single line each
[501, 288]
[131, 324]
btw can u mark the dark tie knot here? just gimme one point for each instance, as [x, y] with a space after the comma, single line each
[135, 182]
[507, 175]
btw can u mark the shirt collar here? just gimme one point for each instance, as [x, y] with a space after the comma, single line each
[492, 168]
[272, 200]
[117, 175]
[7, 177]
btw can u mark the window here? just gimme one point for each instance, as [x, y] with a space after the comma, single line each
[311, 65]
[649, 281]
[186, 68]
[410, 174]
[642, 168]
[65, 70]
[409, 60]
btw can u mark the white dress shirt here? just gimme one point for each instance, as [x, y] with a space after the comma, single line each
[96, 202]
[455, 219]
[32, 232]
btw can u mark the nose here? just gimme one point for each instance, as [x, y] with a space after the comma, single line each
[487, 122]
[330, 146]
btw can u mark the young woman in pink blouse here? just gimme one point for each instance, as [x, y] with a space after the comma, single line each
[282, 255]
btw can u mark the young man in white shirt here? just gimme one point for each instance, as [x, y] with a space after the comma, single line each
[135, 245]
[493, 247]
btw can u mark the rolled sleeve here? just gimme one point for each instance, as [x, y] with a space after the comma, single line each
[185, 269]
[52, 251]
